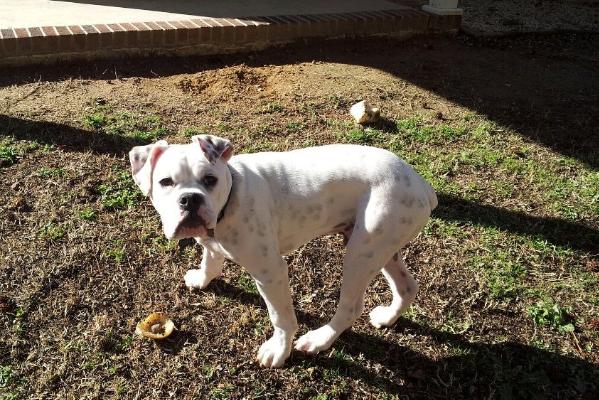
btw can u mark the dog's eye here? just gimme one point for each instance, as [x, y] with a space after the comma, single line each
[209, 181]
[166, 182]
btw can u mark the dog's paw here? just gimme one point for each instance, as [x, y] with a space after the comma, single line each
[274, 352]
[383, 316]
[317, 340]
[197, 279]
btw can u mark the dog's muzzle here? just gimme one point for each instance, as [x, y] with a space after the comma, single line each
[191, 221]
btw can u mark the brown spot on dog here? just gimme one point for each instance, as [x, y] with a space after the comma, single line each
[395, 257]
[406, 178]
[263, 250]
[407, 200]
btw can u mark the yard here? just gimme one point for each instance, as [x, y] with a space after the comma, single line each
[506, 130]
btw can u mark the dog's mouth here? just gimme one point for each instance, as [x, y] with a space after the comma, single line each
[190, 225]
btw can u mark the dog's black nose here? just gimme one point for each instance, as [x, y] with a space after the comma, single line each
[190, 201]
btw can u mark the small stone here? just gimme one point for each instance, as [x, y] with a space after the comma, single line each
[364, 113]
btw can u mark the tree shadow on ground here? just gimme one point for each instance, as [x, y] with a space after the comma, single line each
[66, 137]
[451, 208]
[543, 86]
[475, 370]
[557, 231]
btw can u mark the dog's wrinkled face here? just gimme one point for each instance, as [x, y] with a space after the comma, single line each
[187, 184]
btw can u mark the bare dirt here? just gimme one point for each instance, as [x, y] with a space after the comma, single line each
[77, 274]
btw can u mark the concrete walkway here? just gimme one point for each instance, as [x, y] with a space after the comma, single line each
[34, 31]
[30, 13]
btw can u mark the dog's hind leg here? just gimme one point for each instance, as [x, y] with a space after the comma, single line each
[369, 247]
[403, 287]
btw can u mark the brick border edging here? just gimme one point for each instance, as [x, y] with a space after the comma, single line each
[207, 35]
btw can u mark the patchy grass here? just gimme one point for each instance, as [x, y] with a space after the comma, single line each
[120, 192]
[507, 265]
[548, 313]
[143, 127]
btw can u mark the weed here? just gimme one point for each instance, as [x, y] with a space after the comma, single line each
[222, 391]
[117, 251]
[208, 372]
[506, 281]
[88, 214]
[247, 283]
[52, 231]
[140, 127]
[362, 136]
[96, 120]
[120, 193]
[548, 313]
[8, 154]
[272, 107]
[192, 131]
[47, 172]
[6, 376]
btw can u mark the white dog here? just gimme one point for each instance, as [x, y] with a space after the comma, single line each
[253, 208]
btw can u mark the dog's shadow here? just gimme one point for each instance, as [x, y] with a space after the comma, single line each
[473, 370]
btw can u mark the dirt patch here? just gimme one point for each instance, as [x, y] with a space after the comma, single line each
[238, 80]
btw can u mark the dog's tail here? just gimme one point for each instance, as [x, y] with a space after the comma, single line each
[430, 194]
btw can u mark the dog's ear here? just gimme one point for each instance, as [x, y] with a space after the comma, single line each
[214, 147]
[143, 159]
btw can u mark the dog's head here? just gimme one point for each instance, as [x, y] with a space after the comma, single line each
[188, 184]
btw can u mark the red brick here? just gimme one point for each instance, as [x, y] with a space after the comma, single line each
[64, 38]
[130, 35]
[78, 39]
[92, 39]
[23, 41]
[145, 36]
[193, 32]
[169, 33]
[8, 42]
[216, 30]
[49, 31]
[279, 29]
[7, 33]
[119, 36]
[182, 33]
[205, 30]
[157, 34]
[228, 30]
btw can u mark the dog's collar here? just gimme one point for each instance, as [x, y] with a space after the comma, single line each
[221, 214]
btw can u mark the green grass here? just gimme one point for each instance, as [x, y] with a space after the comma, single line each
[548, 313]
[8, 154]
[12, 150]
[88, 214]
[120, 192]
[246, 282]
[142, 127]
[272, 107]
[52, 231]
[117, 251]
[47, 172]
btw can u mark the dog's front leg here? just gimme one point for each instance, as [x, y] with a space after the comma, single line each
[210, 268]
[272, 281]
